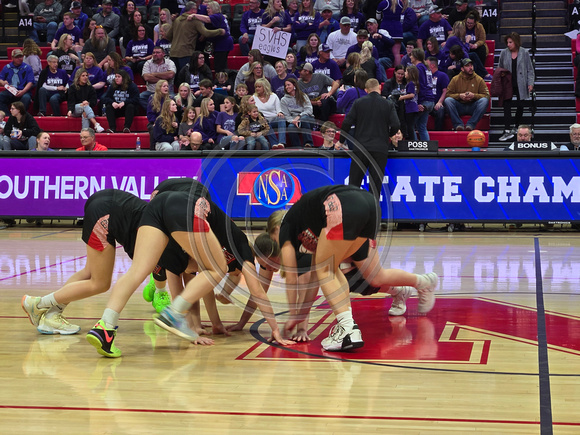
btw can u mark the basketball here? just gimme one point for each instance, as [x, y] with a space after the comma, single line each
[476, 138]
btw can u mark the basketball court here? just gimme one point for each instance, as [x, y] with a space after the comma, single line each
[499, 353]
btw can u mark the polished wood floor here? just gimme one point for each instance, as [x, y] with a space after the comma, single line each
[499, 353]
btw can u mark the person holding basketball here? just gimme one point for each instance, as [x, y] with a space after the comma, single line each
[335, 223]
[202, 230]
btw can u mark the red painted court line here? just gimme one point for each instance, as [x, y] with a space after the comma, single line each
[272, 414]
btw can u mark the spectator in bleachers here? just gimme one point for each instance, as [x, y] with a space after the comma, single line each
[361, 36]
[389, 14]
[155, 69]
[42, 142]
[421, 9]
[298, 112]
[205, 123]
[309, 53]
[458, 37]
[89, 142]
[517, 61]
[163, 42]
[206, 88]
[23, 7]
[140, 50]
[4, 140]
[184, 99]
[475, 29]
[277, 83]
[459, 12]
[164, 18]
[32, 55]
[327, 24]
[410, 26]
[226, 127]
[121, 99]
[187, 120]
[432, 49]
[275, 18]
[351, 9]
[51, 87]
[315, 87]
[291, 16]
[346, 97]
[184, 33]
[411, 98]
[255, 72]
[269, 106]
[254, 128]
[292, 64]
[352, 64]
[97, 77]
[306, 22]
[254, 56]
[467, 94]
[250, 20]
[224, 83]
[333, 6]
[325, 65]
[222, 44]
[126, 21]
[382, 42]
[45, 20]
[89, 29]
[108, 19]
[439, 83]
[393, 89]
[409, 47]
[131, 32]
[21, 128]
[81, 98]
[67, 57]
[194, 72]
[241, 92]
[68, 27]
[154, 106]
[166, 127]
[328, 131]
[340, 40]
[426, 98]
[574, 144]
[436, 26]
[451, 64]
[100, 45]
[79, 17]
[18, 80]
[114, 63]
[370, 64]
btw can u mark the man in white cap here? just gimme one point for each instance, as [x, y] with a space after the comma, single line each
[340, 40]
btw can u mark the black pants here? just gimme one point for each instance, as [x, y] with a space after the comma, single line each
[507, 110]
[128, 111]
[220, 61]
[364, 162]
[323, 112]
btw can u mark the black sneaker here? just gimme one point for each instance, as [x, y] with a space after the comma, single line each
[102, 339]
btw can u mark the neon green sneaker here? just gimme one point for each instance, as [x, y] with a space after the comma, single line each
[161, 300]
[149, 289]
[102, 339]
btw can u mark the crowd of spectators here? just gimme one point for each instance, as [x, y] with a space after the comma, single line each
[336, 46]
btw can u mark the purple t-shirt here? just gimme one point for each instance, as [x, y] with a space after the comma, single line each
[306, 24]
[411, 105]
[439, 30]
[250, 20]
[277, 84]
[329, 68]
[59, 78]
[141, 48]
[227, 122]
[75, 32]
[224, 42]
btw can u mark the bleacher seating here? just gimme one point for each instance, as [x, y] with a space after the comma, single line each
[113, 141]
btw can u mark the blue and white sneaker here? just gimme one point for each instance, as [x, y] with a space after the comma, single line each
[174, 322]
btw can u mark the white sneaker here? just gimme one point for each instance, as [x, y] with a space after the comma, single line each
[99, 128]
[507, 135]
[57, 324]
[30, 307]
[399, 306]
[340, 340]
[427, 294]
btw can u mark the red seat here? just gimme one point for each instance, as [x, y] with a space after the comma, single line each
[236, 51]
[44, 50]
[337, 118]
[117, 141]
[66, 124]
[483, 124]
[489, 60]
[490, 45]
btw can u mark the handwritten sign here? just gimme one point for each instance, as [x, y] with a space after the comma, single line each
[271, 43]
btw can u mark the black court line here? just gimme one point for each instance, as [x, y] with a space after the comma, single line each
[546, 427]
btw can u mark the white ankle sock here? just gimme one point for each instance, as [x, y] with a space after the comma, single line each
[111, 318]
[422, 282]
[181, 305]
[160, 290]
[345, 320]
[47, 301]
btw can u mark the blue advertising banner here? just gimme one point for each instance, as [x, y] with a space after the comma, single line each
[422, 189]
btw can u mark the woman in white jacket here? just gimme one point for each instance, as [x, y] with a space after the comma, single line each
[517, 60]
[297, 110]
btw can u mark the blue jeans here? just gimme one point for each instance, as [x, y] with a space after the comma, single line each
[278, 125]
[53, 97]
[144, 99]
[50, 28]
[456, 110]
[245, 48]
[305, 128]
[422, 119]
[251, 143]
[86, 110]
[6, 99]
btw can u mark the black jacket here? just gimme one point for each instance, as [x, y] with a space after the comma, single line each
[80, 94]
